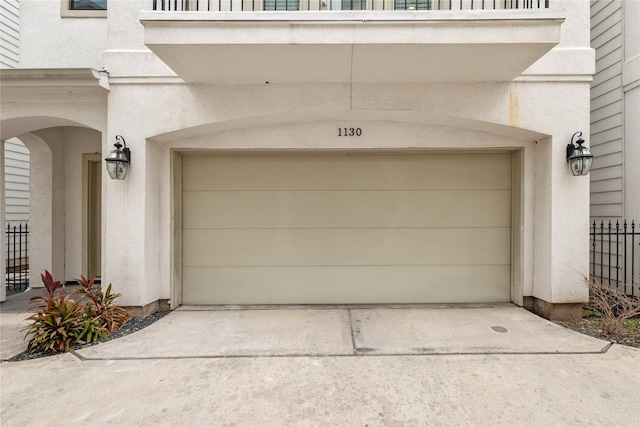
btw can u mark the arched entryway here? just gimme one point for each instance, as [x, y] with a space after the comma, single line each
[64, 199]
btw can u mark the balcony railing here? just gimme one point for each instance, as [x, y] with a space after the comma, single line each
[324, 5]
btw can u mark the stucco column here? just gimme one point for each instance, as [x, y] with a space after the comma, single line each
[154, 234]
[40, 208]
[570, 227]
[561, 230]
[131, 226]
[125, 256]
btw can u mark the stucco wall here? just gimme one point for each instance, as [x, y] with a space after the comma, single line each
[126, 53]
[305, 116]
[48, 40]
[56, 202]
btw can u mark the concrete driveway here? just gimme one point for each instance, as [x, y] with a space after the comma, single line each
[339, 366]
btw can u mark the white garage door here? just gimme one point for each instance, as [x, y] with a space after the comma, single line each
[346, 228]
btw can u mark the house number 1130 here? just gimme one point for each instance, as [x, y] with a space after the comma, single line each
[349, 132]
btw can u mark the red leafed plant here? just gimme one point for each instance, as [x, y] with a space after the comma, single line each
[49, 283]
[101, 305]
[58, 322]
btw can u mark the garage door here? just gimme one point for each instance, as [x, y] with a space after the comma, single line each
[346, 228]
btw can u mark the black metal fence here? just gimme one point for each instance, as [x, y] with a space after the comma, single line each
[293, 5]
[17, 262]
[615, 255]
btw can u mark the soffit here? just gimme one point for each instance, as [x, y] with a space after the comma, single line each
[366, 46]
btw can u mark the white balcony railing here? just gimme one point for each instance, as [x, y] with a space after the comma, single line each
[322, 5]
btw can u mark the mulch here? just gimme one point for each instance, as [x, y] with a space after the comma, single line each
[592, 326]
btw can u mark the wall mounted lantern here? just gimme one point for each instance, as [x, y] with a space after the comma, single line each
[578, 157]
[118, 160]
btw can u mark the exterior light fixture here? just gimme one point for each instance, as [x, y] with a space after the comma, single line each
[118, 160]
[579, 157]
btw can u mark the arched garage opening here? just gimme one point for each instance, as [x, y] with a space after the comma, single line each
[265, 217]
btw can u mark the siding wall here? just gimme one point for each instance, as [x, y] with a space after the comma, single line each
[607, 110]
[9, 33]
[614, 116]
[16, 175]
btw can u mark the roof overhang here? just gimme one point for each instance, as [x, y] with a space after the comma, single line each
[22, 82]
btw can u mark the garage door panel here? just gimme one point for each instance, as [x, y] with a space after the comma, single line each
[347, 209]
[336, 228]
[392, 246]
[347, 172]
[346, 285]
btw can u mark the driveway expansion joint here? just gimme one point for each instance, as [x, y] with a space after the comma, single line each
[353, 337]
[342, 355]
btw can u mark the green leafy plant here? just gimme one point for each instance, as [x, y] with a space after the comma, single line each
[101, 305]
[93, 330]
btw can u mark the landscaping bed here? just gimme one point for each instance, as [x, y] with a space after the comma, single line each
[133, 325]
[592, 324]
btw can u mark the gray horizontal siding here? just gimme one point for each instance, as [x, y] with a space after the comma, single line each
[606, 185]
[608, 160]
[615, 146]
[607, 110]
[16, 175]
[606, 211]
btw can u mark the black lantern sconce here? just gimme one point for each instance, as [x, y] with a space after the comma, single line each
[118, 160]
[578, 157]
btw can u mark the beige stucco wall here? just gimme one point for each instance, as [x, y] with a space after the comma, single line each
[306, 116]
[56, 203]
[48, 40]
[126, 53]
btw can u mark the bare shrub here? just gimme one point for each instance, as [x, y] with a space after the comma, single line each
[615, 306]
